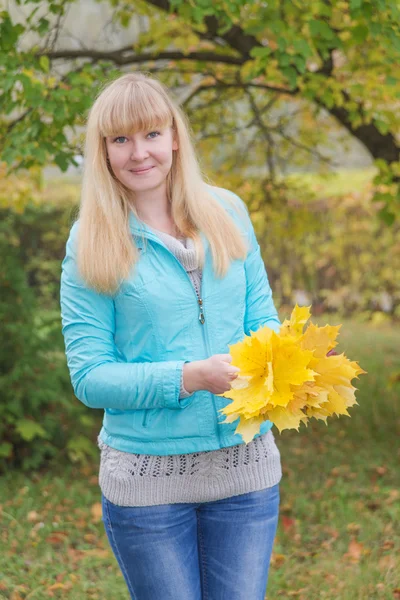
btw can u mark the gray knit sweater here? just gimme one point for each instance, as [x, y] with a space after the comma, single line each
[128, 479]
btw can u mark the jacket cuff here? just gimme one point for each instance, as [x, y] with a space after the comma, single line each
[173, 387]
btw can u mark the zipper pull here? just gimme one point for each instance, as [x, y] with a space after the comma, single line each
[201, 315]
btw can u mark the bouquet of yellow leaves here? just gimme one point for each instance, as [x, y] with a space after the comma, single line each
[288, 378]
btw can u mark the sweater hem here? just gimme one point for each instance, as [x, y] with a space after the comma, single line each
[174, 490]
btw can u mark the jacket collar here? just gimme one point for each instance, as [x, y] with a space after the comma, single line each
[140, 230]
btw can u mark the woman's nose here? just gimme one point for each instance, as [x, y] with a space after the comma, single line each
[138, 151]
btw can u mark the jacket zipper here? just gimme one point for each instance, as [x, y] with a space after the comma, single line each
[202, 321]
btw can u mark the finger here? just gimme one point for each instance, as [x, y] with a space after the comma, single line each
[226, 357]
[233, 376]
[332, 353]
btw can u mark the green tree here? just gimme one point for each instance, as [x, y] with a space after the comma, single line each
[235, 65]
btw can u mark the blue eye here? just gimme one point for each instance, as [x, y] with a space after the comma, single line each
[120, 137]
[156, 132]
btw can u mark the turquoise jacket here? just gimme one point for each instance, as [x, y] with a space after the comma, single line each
[125, 353]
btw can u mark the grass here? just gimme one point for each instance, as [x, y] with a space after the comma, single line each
[334, 183]
[339, 529]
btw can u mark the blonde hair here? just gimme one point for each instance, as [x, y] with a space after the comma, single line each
[106, 251]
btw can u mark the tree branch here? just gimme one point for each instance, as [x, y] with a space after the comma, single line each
[126, 56]
[379, 145]
[266, 135]
[222, 85]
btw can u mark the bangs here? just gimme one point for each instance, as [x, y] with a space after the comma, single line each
[131, 108]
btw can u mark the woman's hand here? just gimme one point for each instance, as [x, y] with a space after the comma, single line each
[213, 374]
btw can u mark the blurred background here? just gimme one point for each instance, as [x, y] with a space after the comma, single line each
[295, 107]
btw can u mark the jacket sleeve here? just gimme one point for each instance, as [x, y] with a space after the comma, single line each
[99, 375]
[260, 309]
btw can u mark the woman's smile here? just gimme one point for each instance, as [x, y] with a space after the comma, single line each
[141, 170]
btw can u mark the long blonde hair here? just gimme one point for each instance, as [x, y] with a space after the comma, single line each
[106, 251]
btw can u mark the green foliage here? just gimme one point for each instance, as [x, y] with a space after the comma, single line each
[388, 194]
[331, 247]
[340, 56]
[40, 419]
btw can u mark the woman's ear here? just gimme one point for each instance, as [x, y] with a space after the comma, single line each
[175, 145]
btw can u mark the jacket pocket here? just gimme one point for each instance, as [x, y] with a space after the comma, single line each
[192, 421]
[146, 417]
[149, 415]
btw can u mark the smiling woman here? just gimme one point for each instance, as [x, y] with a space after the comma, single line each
[163, 273]
[142, 153]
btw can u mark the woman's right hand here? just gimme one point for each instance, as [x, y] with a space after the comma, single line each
[213, 374]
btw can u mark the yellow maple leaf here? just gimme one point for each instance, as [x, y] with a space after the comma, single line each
[319, 413]
[320, 339]
[337, 368]
[287, 377]
[286, 419]
[250, 355]
[295, 325]
[270, 365]
[248, 428]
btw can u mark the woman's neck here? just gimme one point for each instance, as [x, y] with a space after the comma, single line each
[157, 217]
[169, 228]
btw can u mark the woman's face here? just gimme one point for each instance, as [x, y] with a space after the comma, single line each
[142, 161]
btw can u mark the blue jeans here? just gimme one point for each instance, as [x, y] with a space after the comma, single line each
[217, 550]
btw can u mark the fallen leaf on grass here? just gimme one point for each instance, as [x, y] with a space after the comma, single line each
[396, 594]
[287, 507]
[287, 523]
[394, 495]
[20, 588]
[97, 511]
[76, 555]
[59, 586]
[33, 516]
[381, 471]
[33, 532]
[386, 563]
[332, 532]
[353, 527]
[277, 559]
[58, 537]
[97, 552]
[354, 551]
[317, 495]
[91, 538]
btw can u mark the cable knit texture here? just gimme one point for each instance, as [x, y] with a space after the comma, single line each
[129, 479]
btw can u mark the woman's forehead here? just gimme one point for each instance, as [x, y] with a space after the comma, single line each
[131, 113]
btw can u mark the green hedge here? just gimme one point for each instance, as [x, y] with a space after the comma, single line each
[40, 418]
